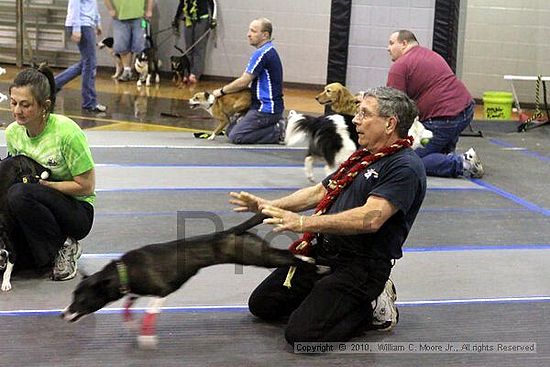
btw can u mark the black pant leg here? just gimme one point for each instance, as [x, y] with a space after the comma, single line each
[271, 300]
[47, 217]
[339, 303]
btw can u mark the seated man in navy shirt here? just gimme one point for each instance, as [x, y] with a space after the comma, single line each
[263, 123]
[363, 214]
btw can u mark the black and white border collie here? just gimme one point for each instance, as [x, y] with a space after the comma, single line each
[107, 43]
[328, 137]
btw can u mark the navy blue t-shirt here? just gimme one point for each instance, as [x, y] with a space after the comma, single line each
[267, 86]
[399, 178]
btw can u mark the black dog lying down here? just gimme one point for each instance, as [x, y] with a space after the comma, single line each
[13, 170]
[160, 269]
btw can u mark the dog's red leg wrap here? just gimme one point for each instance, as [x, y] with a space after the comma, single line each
[127, 313]
[148, 326]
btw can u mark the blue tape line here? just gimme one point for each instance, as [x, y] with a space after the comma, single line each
[229, 212]
[522, 150]
[226, 189]
[464, 248]
[512, 197]
[244, 308]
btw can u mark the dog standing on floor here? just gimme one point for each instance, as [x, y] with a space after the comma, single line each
[13, 170]
[108, 43]
[147, 65]
[222, 108]
[181, 68]
[160, 269]
[328, 138]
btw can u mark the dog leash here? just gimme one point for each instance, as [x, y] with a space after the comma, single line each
[161, 31]
[194, 44]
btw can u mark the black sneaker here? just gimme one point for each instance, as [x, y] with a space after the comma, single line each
[65, 266]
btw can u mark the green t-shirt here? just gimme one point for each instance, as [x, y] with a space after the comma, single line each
[61, 146]
[129, 9]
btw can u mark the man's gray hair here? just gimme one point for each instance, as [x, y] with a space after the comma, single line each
[394, 103]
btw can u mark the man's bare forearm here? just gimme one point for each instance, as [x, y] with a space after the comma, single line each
[303, 199]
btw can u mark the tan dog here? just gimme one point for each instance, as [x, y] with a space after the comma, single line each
[222, 108]
[343, 102]
[339, 99]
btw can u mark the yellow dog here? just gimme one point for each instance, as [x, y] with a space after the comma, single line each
[222, 108]
[339, 99]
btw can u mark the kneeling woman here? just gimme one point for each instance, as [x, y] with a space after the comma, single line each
[50, 217]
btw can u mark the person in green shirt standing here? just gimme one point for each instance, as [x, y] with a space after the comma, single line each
[128, 33]
[50, 217]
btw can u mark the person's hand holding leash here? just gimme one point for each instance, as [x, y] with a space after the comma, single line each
[283, 220]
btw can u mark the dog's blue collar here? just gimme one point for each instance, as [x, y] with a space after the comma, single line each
[124, 287]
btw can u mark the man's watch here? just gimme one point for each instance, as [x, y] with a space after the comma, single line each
[222, 93]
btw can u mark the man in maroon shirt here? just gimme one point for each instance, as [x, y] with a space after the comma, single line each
[445, 105]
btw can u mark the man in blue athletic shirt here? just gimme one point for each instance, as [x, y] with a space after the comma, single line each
[262, 124]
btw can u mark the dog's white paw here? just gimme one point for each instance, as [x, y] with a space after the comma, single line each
[132, 325]
[308, 168]
[147, 341]
[6, 286]
[212, 137]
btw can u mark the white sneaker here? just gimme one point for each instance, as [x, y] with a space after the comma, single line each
[385, 314]
[126, 76]
[65, 266]
[472, 167]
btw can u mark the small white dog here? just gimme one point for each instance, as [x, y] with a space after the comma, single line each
[420, 134]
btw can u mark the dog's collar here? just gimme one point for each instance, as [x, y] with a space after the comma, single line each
[122, 271]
